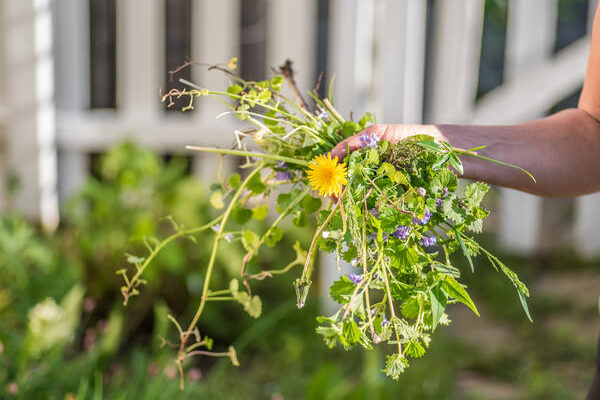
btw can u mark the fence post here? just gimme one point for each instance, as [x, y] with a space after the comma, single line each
[529, 41]
[400, 39]
[72, 55]
[457, 45]
[31, 139]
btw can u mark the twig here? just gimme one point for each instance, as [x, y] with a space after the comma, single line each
[288, 73]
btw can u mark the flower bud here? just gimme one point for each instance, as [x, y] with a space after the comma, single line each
[421, 191]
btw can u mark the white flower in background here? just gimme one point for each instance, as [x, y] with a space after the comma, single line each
[48, 326]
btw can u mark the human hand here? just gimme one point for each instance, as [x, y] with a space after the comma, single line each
[390, 132]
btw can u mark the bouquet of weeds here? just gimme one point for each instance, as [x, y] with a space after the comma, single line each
[392, 210]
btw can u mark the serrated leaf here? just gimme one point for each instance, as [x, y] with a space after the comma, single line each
[311, 204]
[443, 178]
[475, 192]
[456, 291]
[341, 290]
[301, 219]
[234, 89]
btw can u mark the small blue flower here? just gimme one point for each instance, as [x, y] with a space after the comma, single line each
[284, 176]
[384, 321]
[424, 220]
[438, 202]
[228, 237]
[374, 212]
[373, 236]
[369, 140]
[428, 241]
[215, 227]
[402, 232]
[355, 278]
[323, 115]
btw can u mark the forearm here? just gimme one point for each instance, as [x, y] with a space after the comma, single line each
[562, 152]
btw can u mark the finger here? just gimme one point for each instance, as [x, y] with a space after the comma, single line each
[341, 149]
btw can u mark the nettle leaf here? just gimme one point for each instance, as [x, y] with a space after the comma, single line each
[443, 178]
[368, 117]
[256, 185]
[259, 213]
[273, 235]
[372, 157]
[331, 334]
[414, 349]
[250, 240]
[410, 308]
[351, 332]
[285, 199]
[452, 210]
[350, 254]
[474, 193]
[438, 300]
[395, 365]
[457, 292]
[341, 290]
[276, 82]
[241, 214]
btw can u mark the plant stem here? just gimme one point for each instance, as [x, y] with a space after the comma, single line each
[248, 154]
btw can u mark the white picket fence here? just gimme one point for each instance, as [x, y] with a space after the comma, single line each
[376, 49]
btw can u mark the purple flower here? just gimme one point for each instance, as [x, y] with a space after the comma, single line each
[369, 140]
[444, 191]
[283, 175]
[428, 241]
[438, 202]
[424, 220]
[374, 212]
[402, 232]
[384, 321]
[323, 115]
[215, 227]
[228, 237]
[355, 278]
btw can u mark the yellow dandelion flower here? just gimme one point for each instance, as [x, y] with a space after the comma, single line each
[326, 176]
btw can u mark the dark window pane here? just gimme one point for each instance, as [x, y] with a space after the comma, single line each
[571, 23]
[103, 37]
[253, 39]
[178, 24]
[322, 44]
[491, 67]
[568, 102]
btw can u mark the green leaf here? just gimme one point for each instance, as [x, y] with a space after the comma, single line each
[351, 332]
[430, 145]
[264, 96]
[250, 240]
[438, 305]
[524, 304]
[443, 178]
[254, 307]
[464, 249]
[368, 117]
[311, 204]
[395, 365]
[456, 291]
[255, 184]
[474, 193]
[276, 82]
[259, 213]
[414, 349]
[372, 157]
[341, 290]
[241, 214]
[273, 235]
[234, 89]
[301, 219]
[234, 181]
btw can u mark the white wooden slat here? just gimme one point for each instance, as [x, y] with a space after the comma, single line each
[529, 42]
[458, 30]
[73, 169]
[350, 49]
[140, 57]
[544, 85]
[291, 34]
[31, 138]
[587, 220]
[72, 54]
[401, 56]
[215, 39]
